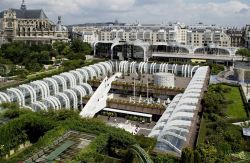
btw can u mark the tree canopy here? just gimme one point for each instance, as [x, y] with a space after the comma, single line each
[243, 52]
[33, 57]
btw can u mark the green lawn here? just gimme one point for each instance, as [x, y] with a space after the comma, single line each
[237, 108]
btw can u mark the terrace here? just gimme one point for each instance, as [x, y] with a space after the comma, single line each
[64, 148]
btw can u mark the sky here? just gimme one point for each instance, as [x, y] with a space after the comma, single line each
[221, 12]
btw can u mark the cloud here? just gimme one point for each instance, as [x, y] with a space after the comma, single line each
[222, 12]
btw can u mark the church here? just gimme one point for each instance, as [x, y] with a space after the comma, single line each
[30, 26]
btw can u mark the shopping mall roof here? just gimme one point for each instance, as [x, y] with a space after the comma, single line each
[173, 128]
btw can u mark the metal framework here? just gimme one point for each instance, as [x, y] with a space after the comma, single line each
[174, 126]
[65, 90]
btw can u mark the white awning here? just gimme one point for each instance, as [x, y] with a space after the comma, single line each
[128, 112]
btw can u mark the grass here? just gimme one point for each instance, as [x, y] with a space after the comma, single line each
[236, 109]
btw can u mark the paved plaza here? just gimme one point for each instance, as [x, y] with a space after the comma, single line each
[136, 128]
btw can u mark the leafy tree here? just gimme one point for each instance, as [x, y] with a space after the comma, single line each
[22, 73]
[59, 46]
[53, 53]
[73, 64]
[15, 51]
[76, 56]
[243, 52]
[208, 153]
[80, 47]
[33, 61]
[67, 50]
[44, 57]
[40, 47]
[1, 53]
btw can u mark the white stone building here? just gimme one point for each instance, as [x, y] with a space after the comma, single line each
[177, 33]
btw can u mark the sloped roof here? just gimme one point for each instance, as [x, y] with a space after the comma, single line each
[1, 14]
[28, 14]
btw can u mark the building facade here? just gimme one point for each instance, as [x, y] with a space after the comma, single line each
[30, 26]
[247, 36]
[236, 35]
[175, 33]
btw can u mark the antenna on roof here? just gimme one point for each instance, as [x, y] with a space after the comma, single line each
[23, 6]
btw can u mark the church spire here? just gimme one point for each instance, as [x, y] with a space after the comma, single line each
[23, 6]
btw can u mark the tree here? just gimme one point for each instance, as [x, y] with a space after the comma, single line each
[59, 46]
[22, 73]
[44, 57]
[1, 53]
[66, 50]
[81, 47]
[208, 153]
[76, 56]
[40, 47]
[243, 52]
[15, 51]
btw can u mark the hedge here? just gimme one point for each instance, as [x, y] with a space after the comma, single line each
[110, 141]
[202, 132]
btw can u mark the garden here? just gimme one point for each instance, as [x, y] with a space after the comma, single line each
[219, 140]
[42, 128]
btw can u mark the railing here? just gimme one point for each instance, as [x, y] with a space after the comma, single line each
[201, 56]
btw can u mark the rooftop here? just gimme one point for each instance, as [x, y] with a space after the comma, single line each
[24, 13]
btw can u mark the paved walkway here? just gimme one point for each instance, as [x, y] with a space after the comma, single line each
[130, 126]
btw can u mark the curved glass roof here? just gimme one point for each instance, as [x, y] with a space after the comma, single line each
[173, 128]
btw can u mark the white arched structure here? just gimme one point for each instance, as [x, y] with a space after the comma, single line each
[95, 44]
[73, 96]
[173, 128]
[229, 51]
[78, 75]
[70, 78]
[91, 72]
[37, 106]
[65, 99]
[84, 73]
[54, 83]
[103, 69]
[4, 97]
[87, 88]
[107, 66]
[81, 91]
[67, 89]
[43, 86]
[132, 68]
[50, 103]
[97, 70]
[61, 81]
[16, 93]
[30, 90]
[143, 45]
